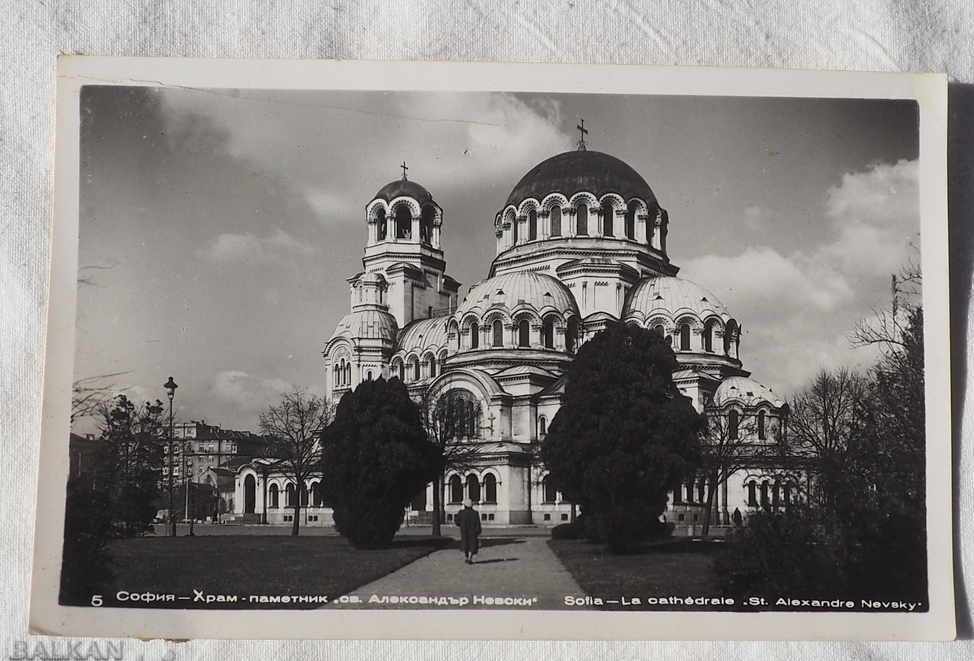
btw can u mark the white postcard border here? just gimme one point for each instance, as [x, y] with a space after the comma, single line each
[930, 92]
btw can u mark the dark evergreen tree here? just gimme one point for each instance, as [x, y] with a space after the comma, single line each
[624, 435]
[375, 458]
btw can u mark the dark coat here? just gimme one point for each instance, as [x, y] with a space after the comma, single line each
[468, 521]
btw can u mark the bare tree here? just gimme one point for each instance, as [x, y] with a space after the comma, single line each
[90, 394]
[731, 443]
[293, 427]
[886, 329]
[825, 425]
[452, 423]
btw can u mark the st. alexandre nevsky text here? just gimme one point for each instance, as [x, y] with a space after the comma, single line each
[748, 603]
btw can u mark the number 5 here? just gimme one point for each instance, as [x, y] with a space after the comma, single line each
[96, 600]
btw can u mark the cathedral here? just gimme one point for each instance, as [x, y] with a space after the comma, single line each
[581, 241]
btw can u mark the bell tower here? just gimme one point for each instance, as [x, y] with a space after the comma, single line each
[403, 244]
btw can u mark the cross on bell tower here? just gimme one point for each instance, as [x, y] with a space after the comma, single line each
[582, 131]
[404, 168]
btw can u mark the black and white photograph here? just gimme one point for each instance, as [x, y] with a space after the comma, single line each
[527, 349]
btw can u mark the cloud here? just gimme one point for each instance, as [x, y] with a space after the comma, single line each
[247, 392]
[756, 217]
[876, 214]
[450, 141]
[799, 308]
[249, 248]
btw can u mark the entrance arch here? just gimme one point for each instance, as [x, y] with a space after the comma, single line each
[250, 494]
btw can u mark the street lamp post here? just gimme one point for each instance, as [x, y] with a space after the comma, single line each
[170, 387]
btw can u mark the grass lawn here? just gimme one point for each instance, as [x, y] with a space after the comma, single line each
[258, 565]
[677, 568]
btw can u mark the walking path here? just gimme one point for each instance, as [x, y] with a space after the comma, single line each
[518, 567]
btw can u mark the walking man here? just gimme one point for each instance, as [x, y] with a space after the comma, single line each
[468, 520]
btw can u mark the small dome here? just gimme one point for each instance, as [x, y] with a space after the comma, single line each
[583, 170]
[404, 188]
[520, 289]
[424, 334]
[369, 324]
[672, 297]
[745, 390]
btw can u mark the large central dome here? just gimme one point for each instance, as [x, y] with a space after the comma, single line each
[582, 170]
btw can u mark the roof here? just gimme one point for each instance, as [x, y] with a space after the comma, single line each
[745, 390]
[519, 289]
[367, 324]
[404, 188]
[582, 170]
[424, 334]
[673, 297]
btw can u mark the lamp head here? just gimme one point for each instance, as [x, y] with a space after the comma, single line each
[170, 387]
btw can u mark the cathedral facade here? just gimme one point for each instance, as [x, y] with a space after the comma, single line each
[581, 241]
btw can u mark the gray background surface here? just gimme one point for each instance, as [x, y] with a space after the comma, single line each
[920, 35]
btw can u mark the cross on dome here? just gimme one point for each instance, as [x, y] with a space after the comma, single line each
[582, 131]
[404, 168]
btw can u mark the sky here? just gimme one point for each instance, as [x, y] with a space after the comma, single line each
[217, 227]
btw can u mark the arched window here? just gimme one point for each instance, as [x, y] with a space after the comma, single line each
[708, 336]
[689, 487]
[523, 333]
[631, 220]
[729, 333]
[659, 330]
[490, 488]
[368, 375]
[542, 426]
[571, 335]
[304, 495]
[456, 489]
[608, 219]
[752, 494]
[733, 423]
[555, 219]
[764, 494]
[678, 494]
[397, 368]
[474, 335]
[581, 220]
[498, 332]
[416, 374]
[473, 488]
[431, 364]
[289, 495]
[514, 224]
[684, 337]
[426, 224]
[532, 225]
[776, 495]
[315, 495]
[548, 492]
[548, 333]
[762, 434]
[404, 222]
[787, 494]
[702, 491]
[380, 222]
[274, 494]
[348, 374]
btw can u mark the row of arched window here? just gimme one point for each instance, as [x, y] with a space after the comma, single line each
[523, 333]
[413, 370]
[312, 498]
[473, 489]
[402, 223]
[610, 227]
[768, 494]
[342, 373]
[734, 424]
[683, 332]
